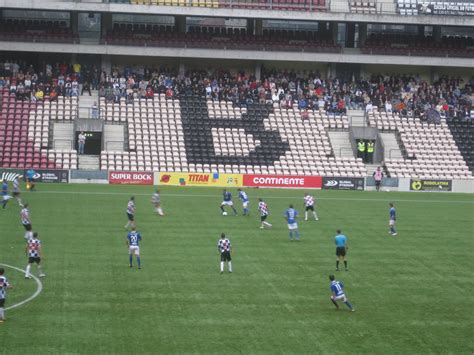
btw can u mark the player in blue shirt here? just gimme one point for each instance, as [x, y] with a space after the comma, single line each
[337, 293]
[133, 243]
[291, 214]
[393, 217]
[5, 196]
[341, 249]
[245, 201]
[227, 201]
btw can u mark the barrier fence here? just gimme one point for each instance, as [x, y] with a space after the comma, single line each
[238, 180]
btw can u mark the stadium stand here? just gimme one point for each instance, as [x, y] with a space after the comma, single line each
[202, 121]
[24, 132]
[363, 7]
[430, 149]
[161, 133]
[463, 134]
[36, 31]
[285, 5]
[396, 44]
[219, 38]
[435, 7]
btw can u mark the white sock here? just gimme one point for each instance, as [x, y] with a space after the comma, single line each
[267, 224]
[2, 313]
[230, 266]
[222, 266]
[306, 215]
[28, 268]
[160, 211]
[315, 215]
[40, 270]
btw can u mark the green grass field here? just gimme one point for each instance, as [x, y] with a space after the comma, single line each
[413, 293]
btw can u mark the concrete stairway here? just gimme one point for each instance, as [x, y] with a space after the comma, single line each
[341, 144]
[114, 137]
[357, 118]
[371, 168]
[89, 162]
[86, 102]
[391, 147]
[63, 136]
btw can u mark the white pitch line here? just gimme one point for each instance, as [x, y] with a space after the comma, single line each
[267, 197]
[39, 288]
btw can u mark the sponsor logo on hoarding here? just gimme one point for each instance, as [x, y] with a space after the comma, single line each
[10, 174]
[341, 183]
[200, 179]
[282, 181]
[51, 176]
[130, 178]
[331, 183]
[430, 185]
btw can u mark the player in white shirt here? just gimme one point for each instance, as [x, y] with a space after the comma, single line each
[156, 201]
[131, 213]
[309, 206]
[26, 222]
[17, 191]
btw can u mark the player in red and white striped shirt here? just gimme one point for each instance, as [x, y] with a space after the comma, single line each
[309, 206]
[224, 247]
[34, 252]
[263, 209]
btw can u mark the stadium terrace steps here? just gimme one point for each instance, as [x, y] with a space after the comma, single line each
[371, 168]
[89, 162]
[63, 135]
[86, 102]
[357, 118]
[114, 137]
[341, 144]
[391, 146]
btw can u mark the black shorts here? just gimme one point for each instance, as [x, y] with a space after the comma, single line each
[262, 218]
[225, 256]
[34, 259]
[27, 227]
[309, 208]
[378, 182]
[2, 302]
[341, 251]
[15, 194]
[130, 217]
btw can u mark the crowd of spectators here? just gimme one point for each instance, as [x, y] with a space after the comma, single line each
[407, 95]
[61, 79]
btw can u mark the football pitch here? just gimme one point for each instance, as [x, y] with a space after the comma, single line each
[412, 293]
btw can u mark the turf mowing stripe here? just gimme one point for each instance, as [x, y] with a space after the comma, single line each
[36, 294]
[266, 197]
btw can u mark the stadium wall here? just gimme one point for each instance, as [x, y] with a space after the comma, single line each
[342, 16]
